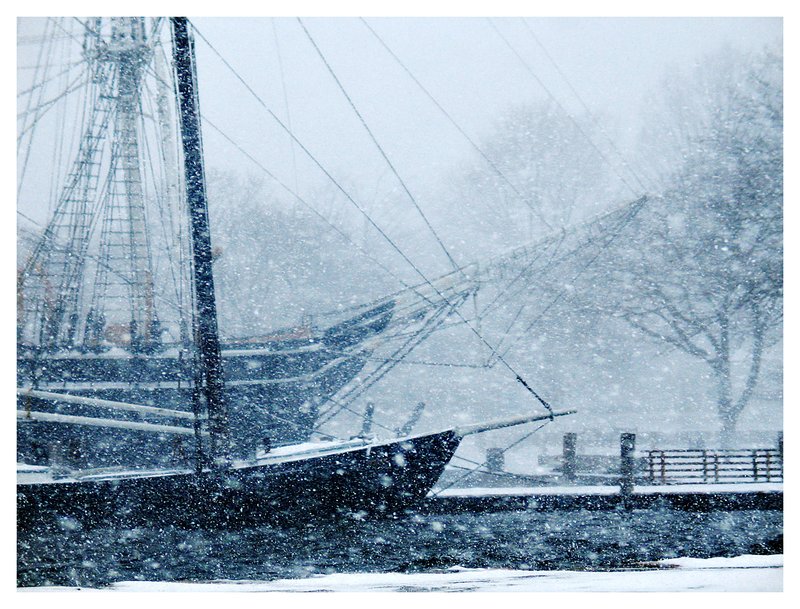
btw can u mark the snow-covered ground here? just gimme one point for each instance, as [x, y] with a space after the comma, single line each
[739, 574]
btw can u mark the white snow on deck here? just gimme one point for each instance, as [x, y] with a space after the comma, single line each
[739, 574]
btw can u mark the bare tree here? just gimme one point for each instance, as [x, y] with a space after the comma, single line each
[537, 173]
[277, 263]
[701, 267]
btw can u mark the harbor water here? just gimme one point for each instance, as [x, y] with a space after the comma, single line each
[71, 556]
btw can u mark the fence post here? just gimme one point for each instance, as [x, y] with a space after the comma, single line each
[569, 452]
[705, 466]
[768, 465]
[627, 445]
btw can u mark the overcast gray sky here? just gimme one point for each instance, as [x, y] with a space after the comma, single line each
[464, 63]
[473, 66]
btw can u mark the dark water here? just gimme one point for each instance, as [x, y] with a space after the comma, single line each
[514, 540]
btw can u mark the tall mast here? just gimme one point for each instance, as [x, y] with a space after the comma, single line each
[207, 337]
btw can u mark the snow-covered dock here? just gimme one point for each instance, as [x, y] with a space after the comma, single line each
[698, 497]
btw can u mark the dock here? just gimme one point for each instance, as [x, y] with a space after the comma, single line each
[700, 480]
[689, 497]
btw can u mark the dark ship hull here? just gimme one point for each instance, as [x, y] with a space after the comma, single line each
[273, 390]
[348, 480]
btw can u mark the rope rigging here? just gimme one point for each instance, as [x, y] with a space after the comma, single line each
[626, 219]
[369, 219]
[285, 100]
[584, 105]
[378, 146]
[295, 195]
[388, 364]
[458, 127]
[480, 465]
[530, 71]
[445, 303]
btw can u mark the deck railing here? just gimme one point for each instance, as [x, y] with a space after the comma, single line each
[714, 466]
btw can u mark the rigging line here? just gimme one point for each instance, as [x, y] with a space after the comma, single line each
[388, 364]
[413, 340]
[359, 414]
[164, 201]
[34, 122]
[45, 81]
[378, 146]
[154, 30]
[285, 186]
[44, 107]
[333, 180]
[285, 100]
[468, 460]
[307, 205]
[391, 242]
[564, 110]
[33, 39]
[411, 344]
[588, 223]
[311, 156]
[486, 472]
[506, 291]
[614, 148]
[458, 127]
[525, 271]
[381, 370]
[625, 220]
[88, 29]
[523, 251]
[413, 362]
[166, 222]
[60, 152]
[513, 321]
[38, 239]
[502, 450]
[297, 425]
[69, 33]
[368, 305]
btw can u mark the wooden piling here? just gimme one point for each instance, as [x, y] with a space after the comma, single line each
[570, 455]
[627, 446]
[495, 460]
[366, 421]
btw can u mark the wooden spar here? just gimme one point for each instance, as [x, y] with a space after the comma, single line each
[210, 390]
[111, 405]
[49, 417]
[466, 430]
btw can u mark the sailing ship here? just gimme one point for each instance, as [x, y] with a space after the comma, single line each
[104, 304]
[353, 477]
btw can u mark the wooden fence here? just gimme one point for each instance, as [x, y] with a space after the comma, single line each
[714, 466]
